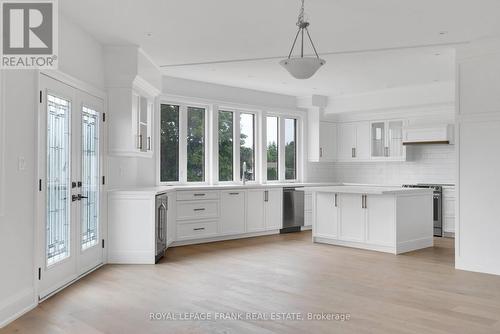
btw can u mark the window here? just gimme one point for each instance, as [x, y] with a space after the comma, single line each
[290, 149]
[195, 144]
[169, 146]
[247, 145]
[272, 148]
[226, 146]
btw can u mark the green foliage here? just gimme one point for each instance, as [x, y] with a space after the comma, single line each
[225, 146]
[196, 145]
[272, 161]
[169, 143]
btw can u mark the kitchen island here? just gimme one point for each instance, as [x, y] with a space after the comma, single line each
[387, 219]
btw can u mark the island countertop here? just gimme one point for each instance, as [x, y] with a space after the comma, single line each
[366, 189]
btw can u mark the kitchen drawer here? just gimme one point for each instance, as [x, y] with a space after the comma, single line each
[188, 231]
[308, 202]
[197, 195]
[197, 210]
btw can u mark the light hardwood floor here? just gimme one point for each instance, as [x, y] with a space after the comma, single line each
[419, 292]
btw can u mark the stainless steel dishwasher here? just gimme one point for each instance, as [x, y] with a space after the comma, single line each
[293, 209]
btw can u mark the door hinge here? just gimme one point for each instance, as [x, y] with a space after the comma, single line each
[102, 243]
[40, 185]
[39, 274]
[40, 96]
[104, 117]
[103, 180]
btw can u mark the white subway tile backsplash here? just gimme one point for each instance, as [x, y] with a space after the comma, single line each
[425, 164]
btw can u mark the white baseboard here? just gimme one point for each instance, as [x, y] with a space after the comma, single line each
[17, 305]
[355, 244]
[411, 245]
[130, 257]
[223, 238]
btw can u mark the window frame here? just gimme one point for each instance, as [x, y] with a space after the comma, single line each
[183, 132]
[212, 109]
[237, 179]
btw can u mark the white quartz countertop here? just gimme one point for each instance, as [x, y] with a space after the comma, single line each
[367, 189]
[166, 189]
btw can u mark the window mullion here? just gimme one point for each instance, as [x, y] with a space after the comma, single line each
[236, 146]
[281, 149]
[183, 144]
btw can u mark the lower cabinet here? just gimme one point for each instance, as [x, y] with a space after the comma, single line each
[326, 215]
[352, 217]
[232, 217]
[256, 215]
[380, 220]
[383, 222]
[264, 209]
[274, 208]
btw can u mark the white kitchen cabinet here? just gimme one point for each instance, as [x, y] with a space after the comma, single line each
[274, 208]
[386, 140]
[353, 141]
[255, 210]
[396, 222]
[232, 217]
[264, 209]
[352, 217]
[308, 203]
[130, 122]
[326, 215]
[327, 141]
[380, 220]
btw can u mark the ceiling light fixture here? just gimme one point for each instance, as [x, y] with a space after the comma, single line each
[302, 67]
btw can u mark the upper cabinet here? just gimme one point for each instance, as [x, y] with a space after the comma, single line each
[133, 83]
[386, 140]
[353, 141]
[130, 126]
[327, 141]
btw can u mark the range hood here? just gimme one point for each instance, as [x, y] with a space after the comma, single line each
[428, 134]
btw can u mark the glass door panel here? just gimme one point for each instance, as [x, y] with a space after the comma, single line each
[58, 190]
[395, 138]
[378, 139]
[90, 179]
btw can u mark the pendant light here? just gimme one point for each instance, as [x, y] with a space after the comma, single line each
[302, 67]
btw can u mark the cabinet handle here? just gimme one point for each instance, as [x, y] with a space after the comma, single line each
[199, 209]
[386, 151]
[140, 142]
[198, 229]
[199, 195]
[149, 143]
[335, 198]
[266, 196]
[353, 153]
[321, 152]
[234, 193]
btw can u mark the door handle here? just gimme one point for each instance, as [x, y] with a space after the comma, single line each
[80, 196]
[140, 142]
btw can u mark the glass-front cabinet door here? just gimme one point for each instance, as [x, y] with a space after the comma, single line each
[378, 142]
[395, 147]
[387, 140]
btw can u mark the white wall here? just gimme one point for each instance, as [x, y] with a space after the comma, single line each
[478, 118]
[80, 57]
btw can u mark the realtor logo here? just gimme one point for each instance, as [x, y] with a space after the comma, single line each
[29, 34]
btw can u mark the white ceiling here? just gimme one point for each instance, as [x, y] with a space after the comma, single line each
[194, 31]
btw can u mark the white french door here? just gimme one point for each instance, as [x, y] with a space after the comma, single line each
[70, 166]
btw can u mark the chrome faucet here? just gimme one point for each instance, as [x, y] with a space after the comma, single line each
[244, 173]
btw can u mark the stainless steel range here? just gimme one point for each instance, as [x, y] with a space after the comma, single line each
[438, 205]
